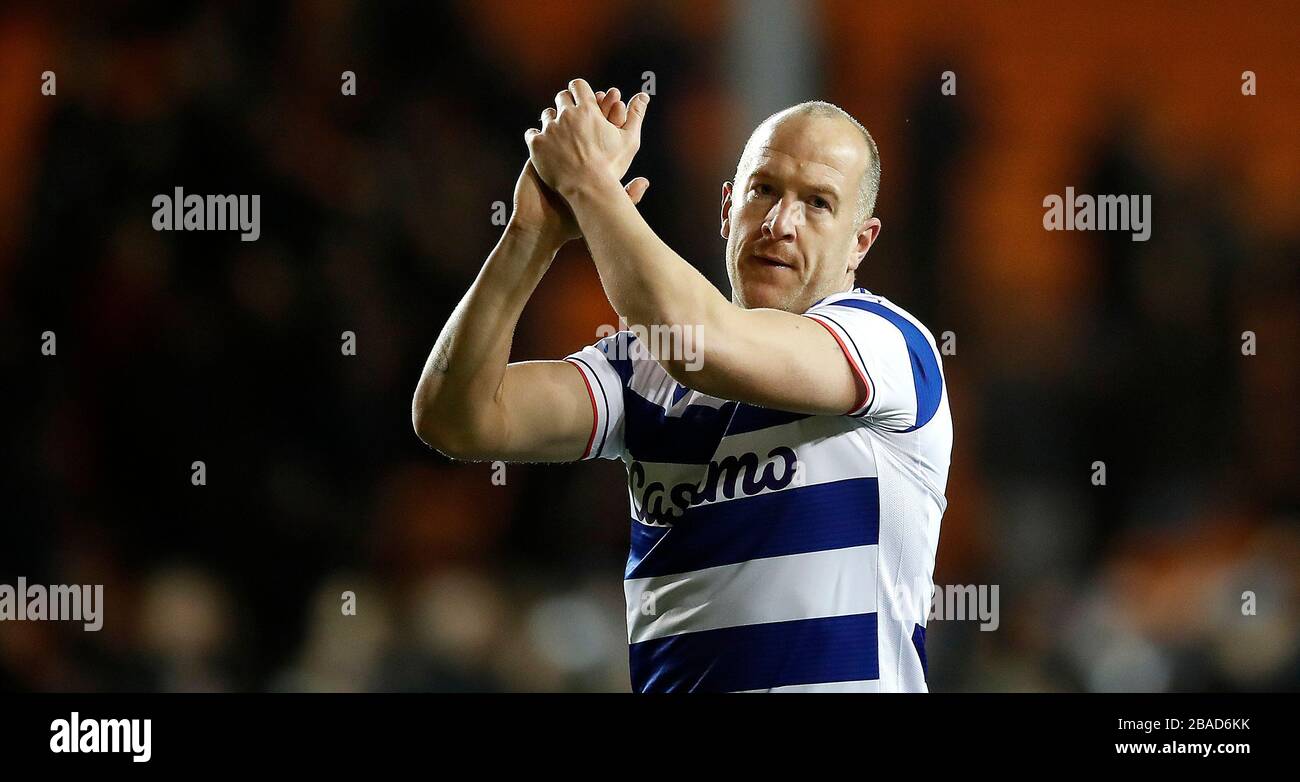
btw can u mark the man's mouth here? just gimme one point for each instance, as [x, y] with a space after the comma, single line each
[773, 261]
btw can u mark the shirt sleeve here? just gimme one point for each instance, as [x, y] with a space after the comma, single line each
[894, 357]
[606, 369]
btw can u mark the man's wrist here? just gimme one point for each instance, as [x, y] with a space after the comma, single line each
[592, 186]
[545, 239]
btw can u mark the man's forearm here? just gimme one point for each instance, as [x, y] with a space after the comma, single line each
[646, 281]
[462, 376]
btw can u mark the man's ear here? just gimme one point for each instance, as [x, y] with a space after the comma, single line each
[866, 237]
[726, 209]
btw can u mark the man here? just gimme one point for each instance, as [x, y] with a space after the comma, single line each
[787, 493]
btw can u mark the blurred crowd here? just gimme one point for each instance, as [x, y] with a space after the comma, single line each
[1070, 348]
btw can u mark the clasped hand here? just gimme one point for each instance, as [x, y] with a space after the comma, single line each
[584, 139]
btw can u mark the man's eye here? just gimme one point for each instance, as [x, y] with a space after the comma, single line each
[820, 203]
[763, 188]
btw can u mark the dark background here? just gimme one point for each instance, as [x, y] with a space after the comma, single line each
[376, 214]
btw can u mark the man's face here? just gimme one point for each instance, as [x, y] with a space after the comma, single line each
[792, 237]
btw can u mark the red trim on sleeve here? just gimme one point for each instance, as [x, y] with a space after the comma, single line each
[595, 413]
[866, 393]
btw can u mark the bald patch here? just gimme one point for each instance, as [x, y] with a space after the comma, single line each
[868, 186]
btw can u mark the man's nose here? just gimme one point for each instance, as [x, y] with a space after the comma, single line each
[784, 219]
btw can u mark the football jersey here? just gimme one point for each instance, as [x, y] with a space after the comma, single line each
[779, 551]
